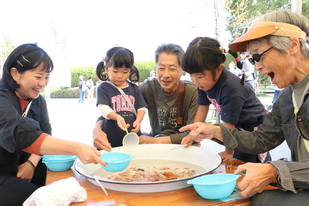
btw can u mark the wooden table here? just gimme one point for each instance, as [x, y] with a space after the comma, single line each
[185, 196]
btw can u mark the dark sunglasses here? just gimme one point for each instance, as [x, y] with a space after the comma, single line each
[257, 57]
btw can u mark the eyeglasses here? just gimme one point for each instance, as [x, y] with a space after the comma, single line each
[257, 57]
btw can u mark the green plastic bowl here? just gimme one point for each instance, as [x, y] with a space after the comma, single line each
[214, 186]
[116, 161]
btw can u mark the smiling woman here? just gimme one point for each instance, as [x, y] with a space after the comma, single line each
[24, 126]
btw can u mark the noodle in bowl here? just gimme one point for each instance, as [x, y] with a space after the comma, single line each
[198, 159]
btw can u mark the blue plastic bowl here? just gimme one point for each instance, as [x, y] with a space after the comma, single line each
[214, 186]
[58, 157]
[116, 161]
[58, 163]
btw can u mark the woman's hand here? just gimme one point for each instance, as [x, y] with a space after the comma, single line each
[200, 131]
[258, 176]
[25, 171]
[88, 154]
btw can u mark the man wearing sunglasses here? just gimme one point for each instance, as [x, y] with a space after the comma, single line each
[278, 46]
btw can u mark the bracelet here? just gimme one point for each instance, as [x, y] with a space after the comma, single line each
[31, 164]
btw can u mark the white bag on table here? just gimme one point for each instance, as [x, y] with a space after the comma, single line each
[59, 193]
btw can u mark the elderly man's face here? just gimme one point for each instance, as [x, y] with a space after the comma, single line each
[169, 72]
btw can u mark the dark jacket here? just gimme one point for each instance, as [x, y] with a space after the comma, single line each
[279, 125]
[18, 132]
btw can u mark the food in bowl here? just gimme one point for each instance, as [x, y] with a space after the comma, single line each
[214, 186]
[58, 163]
[116, 161]
[152, 174]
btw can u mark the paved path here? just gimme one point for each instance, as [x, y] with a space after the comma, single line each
[73, 121]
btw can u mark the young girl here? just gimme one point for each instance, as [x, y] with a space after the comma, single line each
[237, 103]
[119, 73]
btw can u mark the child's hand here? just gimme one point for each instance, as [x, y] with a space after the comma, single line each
[121, 123]
[226, 155]
[137, 126]
[187, 140]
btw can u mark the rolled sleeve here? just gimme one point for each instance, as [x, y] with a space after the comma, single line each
[283, 170]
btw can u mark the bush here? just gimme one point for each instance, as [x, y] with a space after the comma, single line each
[68, 93]
[86, 71]
[144, 69]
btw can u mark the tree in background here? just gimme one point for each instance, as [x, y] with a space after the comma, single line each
[242, 12]
[6, 47]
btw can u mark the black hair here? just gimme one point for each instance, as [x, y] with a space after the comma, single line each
[25, 57]
[239, 65]
[118, 57]
[205, 53]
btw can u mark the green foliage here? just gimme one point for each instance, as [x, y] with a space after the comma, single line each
[144, 69]
[242, 12]
[64, 92]
[6, 47]
[86, 71]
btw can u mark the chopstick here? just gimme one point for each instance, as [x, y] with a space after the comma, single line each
[99, 183]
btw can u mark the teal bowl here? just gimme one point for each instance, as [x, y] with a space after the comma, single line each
[116, 161]
[58, 163]
[214, 186]
[58, 157]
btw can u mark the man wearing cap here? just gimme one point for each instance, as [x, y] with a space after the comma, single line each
[277, 44]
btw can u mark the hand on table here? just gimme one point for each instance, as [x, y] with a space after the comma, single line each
[258, 176]
[226, 155]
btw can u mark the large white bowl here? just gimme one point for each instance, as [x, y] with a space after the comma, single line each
[199, 159]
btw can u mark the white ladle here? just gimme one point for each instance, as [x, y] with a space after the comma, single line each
[99, 183]
[130, 140]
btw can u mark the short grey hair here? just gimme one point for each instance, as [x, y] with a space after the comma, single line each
[170, 49]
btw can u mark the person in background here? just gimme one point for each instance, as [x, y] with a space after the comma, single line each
[275, 97]
[25, 130]
[238, 105]
[278, 45]
[90, 89]
[248, 69]
[232, 67]
[118, 74]
[81, 89]
[276, 93]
